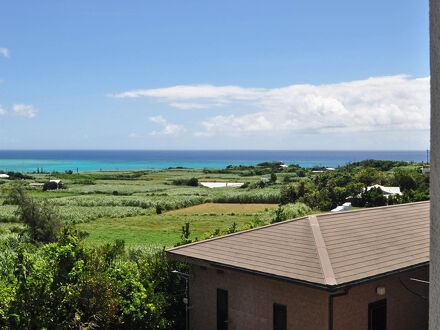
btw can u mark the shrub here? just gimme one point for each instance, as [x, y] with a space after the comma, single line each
[288, 194]
[50, 186]
[193, 182]
[41, 218]
[279, 215]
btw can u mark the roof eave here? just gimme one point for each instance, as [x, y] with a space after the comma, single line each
[314, 285]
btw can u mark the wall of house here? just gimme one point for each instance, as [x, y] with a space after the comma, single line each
[251, 300]
[434, 307]
[405, 310]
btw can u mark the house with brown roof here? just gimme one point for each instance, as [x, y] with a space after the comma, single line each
[362, 269]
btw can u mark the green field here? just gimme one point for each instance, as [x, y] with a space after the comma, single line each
[112, 205]
[147, 208]
[159, 230]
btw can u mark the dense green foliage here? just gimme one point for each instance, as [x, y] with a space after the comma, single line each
[328, 189]
[41, 218]
[64, 285]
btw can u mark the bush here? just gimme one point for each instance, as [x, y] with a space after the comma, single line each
[193, 182]
[68, 286]
[279, 215]
[288, 194]
[41, 218]
[50, 186]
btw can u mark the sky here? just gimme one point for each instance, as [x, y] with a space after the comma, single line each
[230, 74]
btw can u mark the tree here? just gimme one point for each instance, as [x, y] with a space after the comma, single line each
[184, 236]
[43, 221]
[50, 186]
[288, 194]
[405, 181]
[374, 197]
[193, 182]
[369, 176]
[273, 177]
[301, 189]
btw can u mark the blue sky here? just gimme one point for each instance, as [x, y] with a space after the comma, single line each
[214, 75]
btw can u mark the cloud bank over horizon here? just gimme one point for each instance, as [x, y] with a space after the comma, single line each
[378, 104]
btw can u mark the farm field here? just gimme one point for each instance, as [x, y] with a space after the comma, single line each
[148, 208]
[163, 230]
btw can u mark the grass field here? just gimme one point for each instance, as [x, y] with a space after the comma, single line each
[112, 205]
[159, 230]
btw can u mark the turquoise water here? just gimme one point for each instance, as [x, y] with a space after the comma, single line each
[95, 160]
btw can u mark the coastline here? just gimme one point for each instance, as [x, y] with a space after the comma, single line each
[95, 160]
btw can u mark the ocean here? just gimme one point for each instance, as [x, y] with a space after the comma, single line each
[95, 160]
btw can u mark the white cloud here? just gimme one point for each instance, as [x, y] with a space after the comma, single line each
[169, 129]
[380, 104]
[195, 92]
[189, 106]
[24, 110]
[2, 111]
[4, 52]
[132, 135]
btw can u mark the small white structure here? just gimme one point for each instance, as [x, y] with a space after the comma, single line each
[264, 180]
[338, 209]
[426, 170]
[56, 181]
[330, 169]
[36, 184]
[4, 176]
[284, 165]
[221, 184]
[387, 190]
[346, 206]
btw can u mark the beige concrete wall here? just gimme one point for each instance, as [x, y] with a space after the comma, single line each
[434, 309]
[251, 300]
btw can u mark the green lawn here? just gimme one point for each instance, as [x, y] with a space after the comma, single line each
[165, 229]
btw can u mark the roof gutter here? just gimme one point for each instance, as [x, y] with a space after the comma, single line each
[330, 306]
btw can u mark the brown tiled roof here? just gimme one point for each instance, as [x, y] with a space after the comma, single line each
[327, 249]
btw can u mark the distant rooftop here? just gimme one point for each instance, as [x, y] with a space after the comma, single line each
[326, 250]
[387, 190]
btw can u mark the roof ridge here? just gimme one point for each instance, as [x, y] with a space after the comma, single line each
[324, 259]
[373, 209]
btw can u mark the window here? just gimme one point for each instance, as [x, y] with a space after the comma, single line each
[279, 317]
[377, 315]
[222, 309]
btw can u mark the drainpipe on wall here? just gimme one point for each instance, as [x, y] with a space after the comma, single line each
[330, 306]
